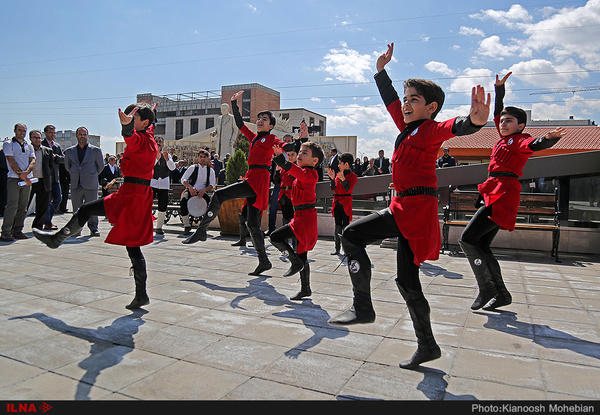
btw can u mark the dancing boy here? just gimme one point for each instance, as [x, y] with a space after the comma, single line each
[130, 208]
[500, 194]
[303, 227]
[412, 216]
[254, 187]
[342, 185]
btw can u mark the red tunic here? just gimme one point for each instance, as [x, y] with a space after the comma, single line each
[287, 180]
[339, 191]
[304, 224]
[510, 154]
[413, 164]
[130, 208]
[261, 153]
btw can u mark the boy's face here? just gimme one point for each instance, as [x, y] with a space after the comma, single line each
[305, 157]
[292, 156]
[509, 125]
[138, 124]
[414, 107]
[263, 123]
[344, 166]
[202, 159]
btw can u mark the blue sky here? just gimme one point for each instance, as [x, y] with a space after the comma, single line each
[72, 63]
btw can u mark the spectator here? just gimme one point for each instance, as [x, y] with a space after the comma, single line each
[43, 171]
[20, 159]
[59, 164]
[446, 160]
[3, 178]
[370, 171]
[109, 175]
[357, 167]
[334, 161]
[382, 164]
[84, 162]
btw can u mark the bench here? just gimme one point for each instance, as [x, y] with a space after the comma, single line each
[533, 206]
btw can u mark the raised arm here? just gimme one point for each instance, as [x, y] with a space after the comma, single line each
[236, 110]
[500, 92]
[548, 140]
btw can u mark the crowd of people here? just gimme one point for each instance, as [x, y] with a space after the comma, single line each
[411, 217]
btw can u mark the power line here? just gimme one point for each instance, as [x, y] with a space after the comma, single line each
[270, 34]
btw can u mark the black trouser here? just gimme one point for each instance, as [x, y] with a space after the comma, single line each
[282, 235]
[96, 208]
[42, 196]
[340, 216]
[240, 190]
[162, 196]
[287, 209]
[481, 230]
[376, 227]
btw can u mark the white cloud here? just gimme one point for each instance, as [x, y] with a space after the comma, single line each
[514, 17]
[370, 147]
[348, 65]
[254, 9]
[471, 31]
[439, 67]
[493, 48]
[547, 74]
[471, 77]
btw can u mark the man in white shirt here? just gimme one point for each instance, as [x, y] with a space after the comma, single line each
[20, 160]
[198, 180]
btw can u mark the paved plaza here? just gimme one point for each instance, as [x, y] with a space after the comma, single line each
[212, 332]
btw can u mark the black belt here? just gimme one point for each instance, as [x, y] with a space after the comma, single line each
[286, 187]
[136, 180]
[305, 206]
[344, 195]
[418, 190]
[258, 166]
[502, 174]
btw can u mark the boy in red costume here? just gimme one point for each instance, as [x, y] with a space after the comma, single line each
[342, 185]
[413, 214]
[254, 187]
[501, 196]
[303, 227]
[130, 208]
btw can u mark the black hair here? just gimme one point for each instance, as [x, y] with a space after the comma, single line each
[518, 113]
[145, 111]
[269, 114]
[315, 150]
[431, 91]
[347, 158]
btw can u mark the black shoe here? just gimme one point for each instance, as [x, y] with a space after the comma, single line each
[94, 233]
[263, 265]
[422, 355]
[239, 243]
[138, 302]
[159, 231]
[352, 316]
[199, 235]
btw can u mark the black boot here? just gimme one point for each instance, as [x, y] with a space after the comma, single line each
[337, 235]
[139, 276]
[418, 308]
[304, 283]
[503, 298]
[296, 263]
[263, 261]
[243, 231]
[480, 267]
[359, 267]
[211, 213]
[53, 239]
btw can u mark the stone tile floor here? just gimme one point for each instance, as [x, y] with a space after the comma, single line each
[212, 332]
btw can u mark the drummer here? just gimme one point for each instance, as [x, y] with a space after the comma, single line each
[198, 179]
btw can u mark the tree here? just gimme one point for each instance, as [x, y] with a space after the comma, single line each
[236, 166]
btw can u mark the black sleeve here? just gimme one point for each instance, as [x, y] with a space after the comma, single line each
[464, 126]
[236, 114]
[499, 102]
[542, 143]
[277, 177]
[386, 89]
[127, 130]
[331, 183]
[283, 162]
[345, 184]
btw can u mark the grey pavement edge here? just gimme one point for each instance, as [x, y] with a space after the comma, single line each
[211, 332]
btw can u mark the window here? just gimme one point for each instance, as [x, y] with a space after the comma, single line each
[193, 126]
[178, 129]
[210, 122]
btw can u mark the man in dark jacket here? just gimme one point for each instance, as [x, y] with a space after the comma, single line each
[43, 171]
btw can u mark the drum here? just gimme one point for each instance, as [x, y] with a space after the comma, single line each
[197, 206]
